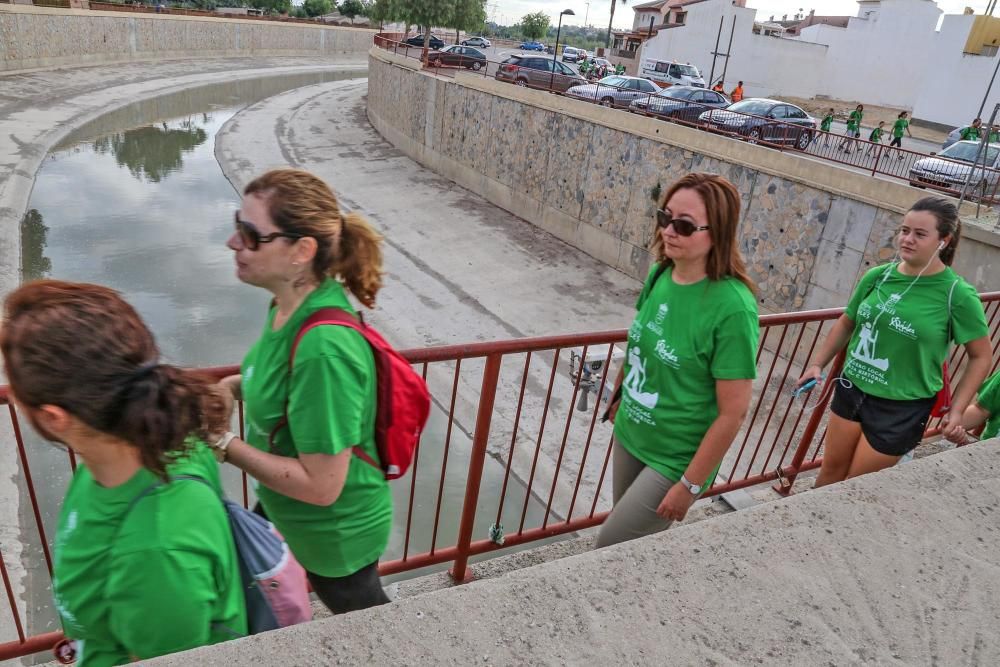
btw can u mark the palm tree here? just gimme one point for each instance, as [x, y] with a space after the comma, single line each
[607, 41]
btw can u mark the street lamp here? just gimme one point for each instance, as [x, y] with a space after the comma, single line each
[555, 51]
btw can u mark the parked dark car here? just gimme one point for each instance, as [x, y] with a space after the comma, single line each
[538, 72]
[684, 103]
[418, 41]
[532, 46]
[458, 56]
[760, 119]
[615, 91]
[477, 41]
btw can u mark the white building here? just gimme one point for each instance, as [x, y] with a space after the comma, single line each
[890, 54]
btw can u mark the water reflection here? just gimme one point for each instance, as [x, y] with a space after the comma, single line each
[153, 152]
[34, 237]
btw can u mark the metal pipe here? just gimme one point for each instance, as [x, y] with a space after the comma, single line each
[715, 51]
[729, 49]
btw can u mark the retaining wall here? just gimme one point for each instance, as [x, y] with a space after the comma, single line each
[587, 174]
[33, 37]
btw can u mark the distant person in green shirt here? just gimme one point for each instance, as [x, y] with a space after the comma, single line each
[902, 124]
[686, 383]
[971, 132]
[853, 128]
[825, 126]
[897, 331]
[142, 565]
[875, 137]
[984, 409]
[333, 508]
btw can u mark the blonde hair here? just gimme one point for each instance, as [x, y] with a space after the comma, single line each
[347, 247]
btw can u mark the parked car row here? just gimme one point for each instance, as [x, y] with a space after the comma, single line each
[615, 91]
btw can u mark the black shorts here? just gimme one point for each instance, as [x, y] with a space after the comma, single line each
[891, 427]
[896, 141]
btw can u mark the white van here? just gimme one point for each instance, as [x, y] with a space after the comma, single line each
[667, 73]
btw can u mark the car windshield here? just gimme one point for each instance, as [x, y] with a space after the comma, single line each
[752, 107]
[675, 93]
[688, 70]
[966, 152]
[612, 81]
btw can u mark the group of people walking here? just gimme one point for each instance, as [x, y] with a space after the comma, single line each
[139, 538]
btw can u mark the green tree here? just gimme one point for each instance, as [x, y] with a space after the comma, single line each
[352, 8]
[426, 14]
[383, 10]
[152, 152]
[317, 7]
[607, 40]
[34, 233]
[468, 15]
[534, 26]
[272, 6]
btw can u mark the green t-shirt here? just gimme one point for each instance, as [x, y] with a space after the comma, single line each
[989, 400]
[827, 122]
[899, 127]
[876, 135]
[900, 337]
[331, 407]
[969, 133]
[683, 339]
[854, 120]
[153, 580]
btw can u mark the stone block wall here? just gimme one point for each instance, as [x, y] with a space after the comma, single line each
[33, 37]
[586, 174]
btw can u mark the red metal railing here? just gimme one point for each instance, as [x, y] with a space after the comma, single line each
[922, 170]
[506, 395]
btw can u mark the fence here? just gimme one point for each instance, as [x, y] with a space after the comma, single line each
[770, 127]
[532, 430]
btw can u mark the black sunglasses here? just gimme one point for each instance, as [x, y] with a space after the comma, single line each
[681, 226]
[251, 236]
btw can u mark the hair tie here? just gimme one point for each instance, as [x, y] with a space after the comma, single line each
[140, 373]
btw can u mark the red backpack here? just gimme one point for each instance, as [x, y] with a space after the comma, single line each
[403, 402]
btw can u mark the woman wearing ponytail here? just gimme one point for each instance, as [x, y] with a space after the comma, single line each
[333, 508]
[899, 325]
[134, 576]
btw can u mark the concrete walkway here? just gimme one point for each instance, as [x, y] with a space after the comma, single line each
[895, 568]
[458, 270]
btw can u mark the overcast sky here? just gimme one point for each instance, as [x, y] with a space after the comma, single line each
[510, 11]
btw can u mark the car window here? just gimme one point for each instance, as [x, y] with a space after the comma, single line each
[716, 98]
[612, 81]
[474, 52]
[674, 70]
[565, 69]
[647, 86]
[753, 107]
[794, 112]
[779, 111]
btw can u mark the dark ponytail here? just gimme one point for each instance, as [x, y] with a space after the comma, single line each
[83, 348]
[948, 223]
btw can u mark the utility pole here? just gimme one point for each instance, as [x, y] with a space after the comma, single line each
[715, 53]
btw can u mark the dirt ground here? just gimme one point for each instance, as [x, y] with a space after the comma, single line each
[819, 107]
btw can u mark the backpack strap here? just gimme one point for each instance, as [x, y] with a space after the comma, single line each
[323, 316]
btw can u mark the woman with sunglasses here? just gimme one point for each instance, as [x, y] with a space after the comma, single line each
[687, 379]
[333, 508]
[898, 328]
[134, 576]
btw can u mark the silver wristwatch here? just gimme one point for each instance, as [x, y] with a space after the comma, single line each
[694, 489]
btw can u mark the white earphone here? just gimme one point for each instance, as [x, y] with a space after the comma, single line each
[942, 245]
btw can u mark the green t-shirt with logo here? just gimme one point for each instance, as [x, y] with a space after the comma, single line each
[969, 132]
[899, 127]
[331, 407]
[876, 135]
[683, 339]
[989, 400]
[900, 336]
[159, 578]
[854, 120]
[827, 122]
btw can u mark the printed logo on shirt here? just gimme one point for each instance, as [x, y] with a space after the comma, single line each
[903, 327]
[639, 408]
[889, 305]
[661, 312]
[248, 375]
[864, 360]
[635, 332]
[667, 354]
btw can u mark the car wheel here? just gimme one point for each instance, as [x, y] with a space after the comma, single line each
[803, 141]
[607, 102]
[753, 136]
[522, 82]
[477, 66]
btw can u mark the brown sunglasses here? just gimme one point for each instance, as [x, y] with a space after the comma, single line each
[681, 226]
[251, 236]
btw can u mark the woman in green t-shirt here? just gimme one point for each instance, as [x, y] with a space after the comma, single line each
[687, 379]
[984, 409]
[333, 507]
[898, 327]
[133, 576]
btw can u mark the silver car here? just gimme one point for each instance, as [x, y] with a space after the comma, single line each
[950, 168]
[615, 91]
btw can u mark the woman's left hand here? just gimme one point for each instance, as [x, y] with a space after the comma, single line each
[952, 429]
[676, 503]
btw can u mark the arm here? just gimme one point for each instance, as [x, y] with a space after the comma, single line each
[733, 398]
[976, 369]
[835, 341]
[316, 479]
[234, 385]
[974, 417]
[613, 408]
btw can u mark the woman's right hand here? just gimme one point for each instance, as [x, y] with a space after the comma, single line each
[613, 410]
[814, 372]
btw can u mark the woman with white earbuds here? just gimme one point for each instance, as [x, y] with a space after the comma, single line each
[898, 328]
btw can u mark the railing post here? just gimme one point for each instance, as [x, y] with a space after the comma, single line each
[809, 434]
[480, 438]
[878, 157]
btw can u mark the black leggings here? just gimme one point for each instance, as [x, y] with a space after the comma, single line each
[358, 590]
[897, 142]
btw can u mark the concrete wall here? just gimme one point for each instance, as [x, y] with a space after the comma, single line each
[894, 568]
[585, 174]
[33, 37]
